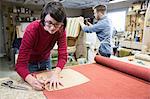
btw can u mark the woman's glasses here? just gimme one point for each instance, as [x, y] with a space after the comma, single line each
[56, 25]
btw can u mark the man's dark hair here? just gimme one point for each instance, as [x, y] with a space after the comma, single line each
[102, 8]
[56, 11]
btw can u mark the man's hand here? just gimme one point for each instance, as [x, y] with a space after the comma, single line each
[37, 85]
[53, 82]
[89, 23]
[81, 21]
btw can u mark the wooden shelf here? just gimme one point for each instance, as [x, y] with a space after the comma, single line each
[131, 44]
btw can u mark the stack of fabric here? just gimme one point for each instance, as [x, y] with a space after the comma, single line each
[73, 27]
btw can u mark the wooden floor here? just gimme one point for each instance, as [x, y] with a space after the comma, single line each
[6, 68]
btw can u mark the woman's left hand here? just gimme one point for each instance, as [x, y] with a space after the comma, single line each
[53, 82]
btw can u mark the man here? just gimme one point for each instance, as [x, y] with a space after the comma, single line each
[39, 38]
[103, 29]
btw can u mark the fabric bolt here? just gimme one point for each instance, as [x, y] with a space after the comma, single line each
[73, 27]
[144, 57]
[137, 71]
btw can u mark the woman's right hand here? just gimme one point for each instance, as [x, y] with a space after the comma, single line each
[37, 85]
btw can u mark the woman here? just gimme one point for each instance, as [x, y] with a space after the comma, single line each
[38, 40]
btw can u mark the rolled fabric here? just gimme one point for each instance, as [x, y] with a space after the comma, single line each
[144, 57]
[134, 70]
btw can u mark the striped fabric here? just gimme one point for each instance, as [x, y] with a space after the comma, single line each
[73, 27]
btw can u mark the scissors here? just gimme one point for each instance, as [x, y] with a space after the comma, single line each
[11, 85]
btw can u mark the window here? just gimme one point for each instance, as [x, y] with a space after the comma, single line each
[118, 19]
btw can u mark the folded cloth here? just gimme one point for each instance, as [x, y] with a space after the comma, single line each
[144, 57]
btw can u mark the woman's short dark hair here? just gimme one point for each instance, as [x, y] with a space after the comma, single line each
[56, 11]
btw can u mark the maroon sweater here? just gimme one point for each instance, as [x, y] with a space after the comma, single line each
[36, 45]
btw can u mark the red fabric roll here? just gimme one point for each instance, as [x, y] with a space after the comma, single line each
[137, 71]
